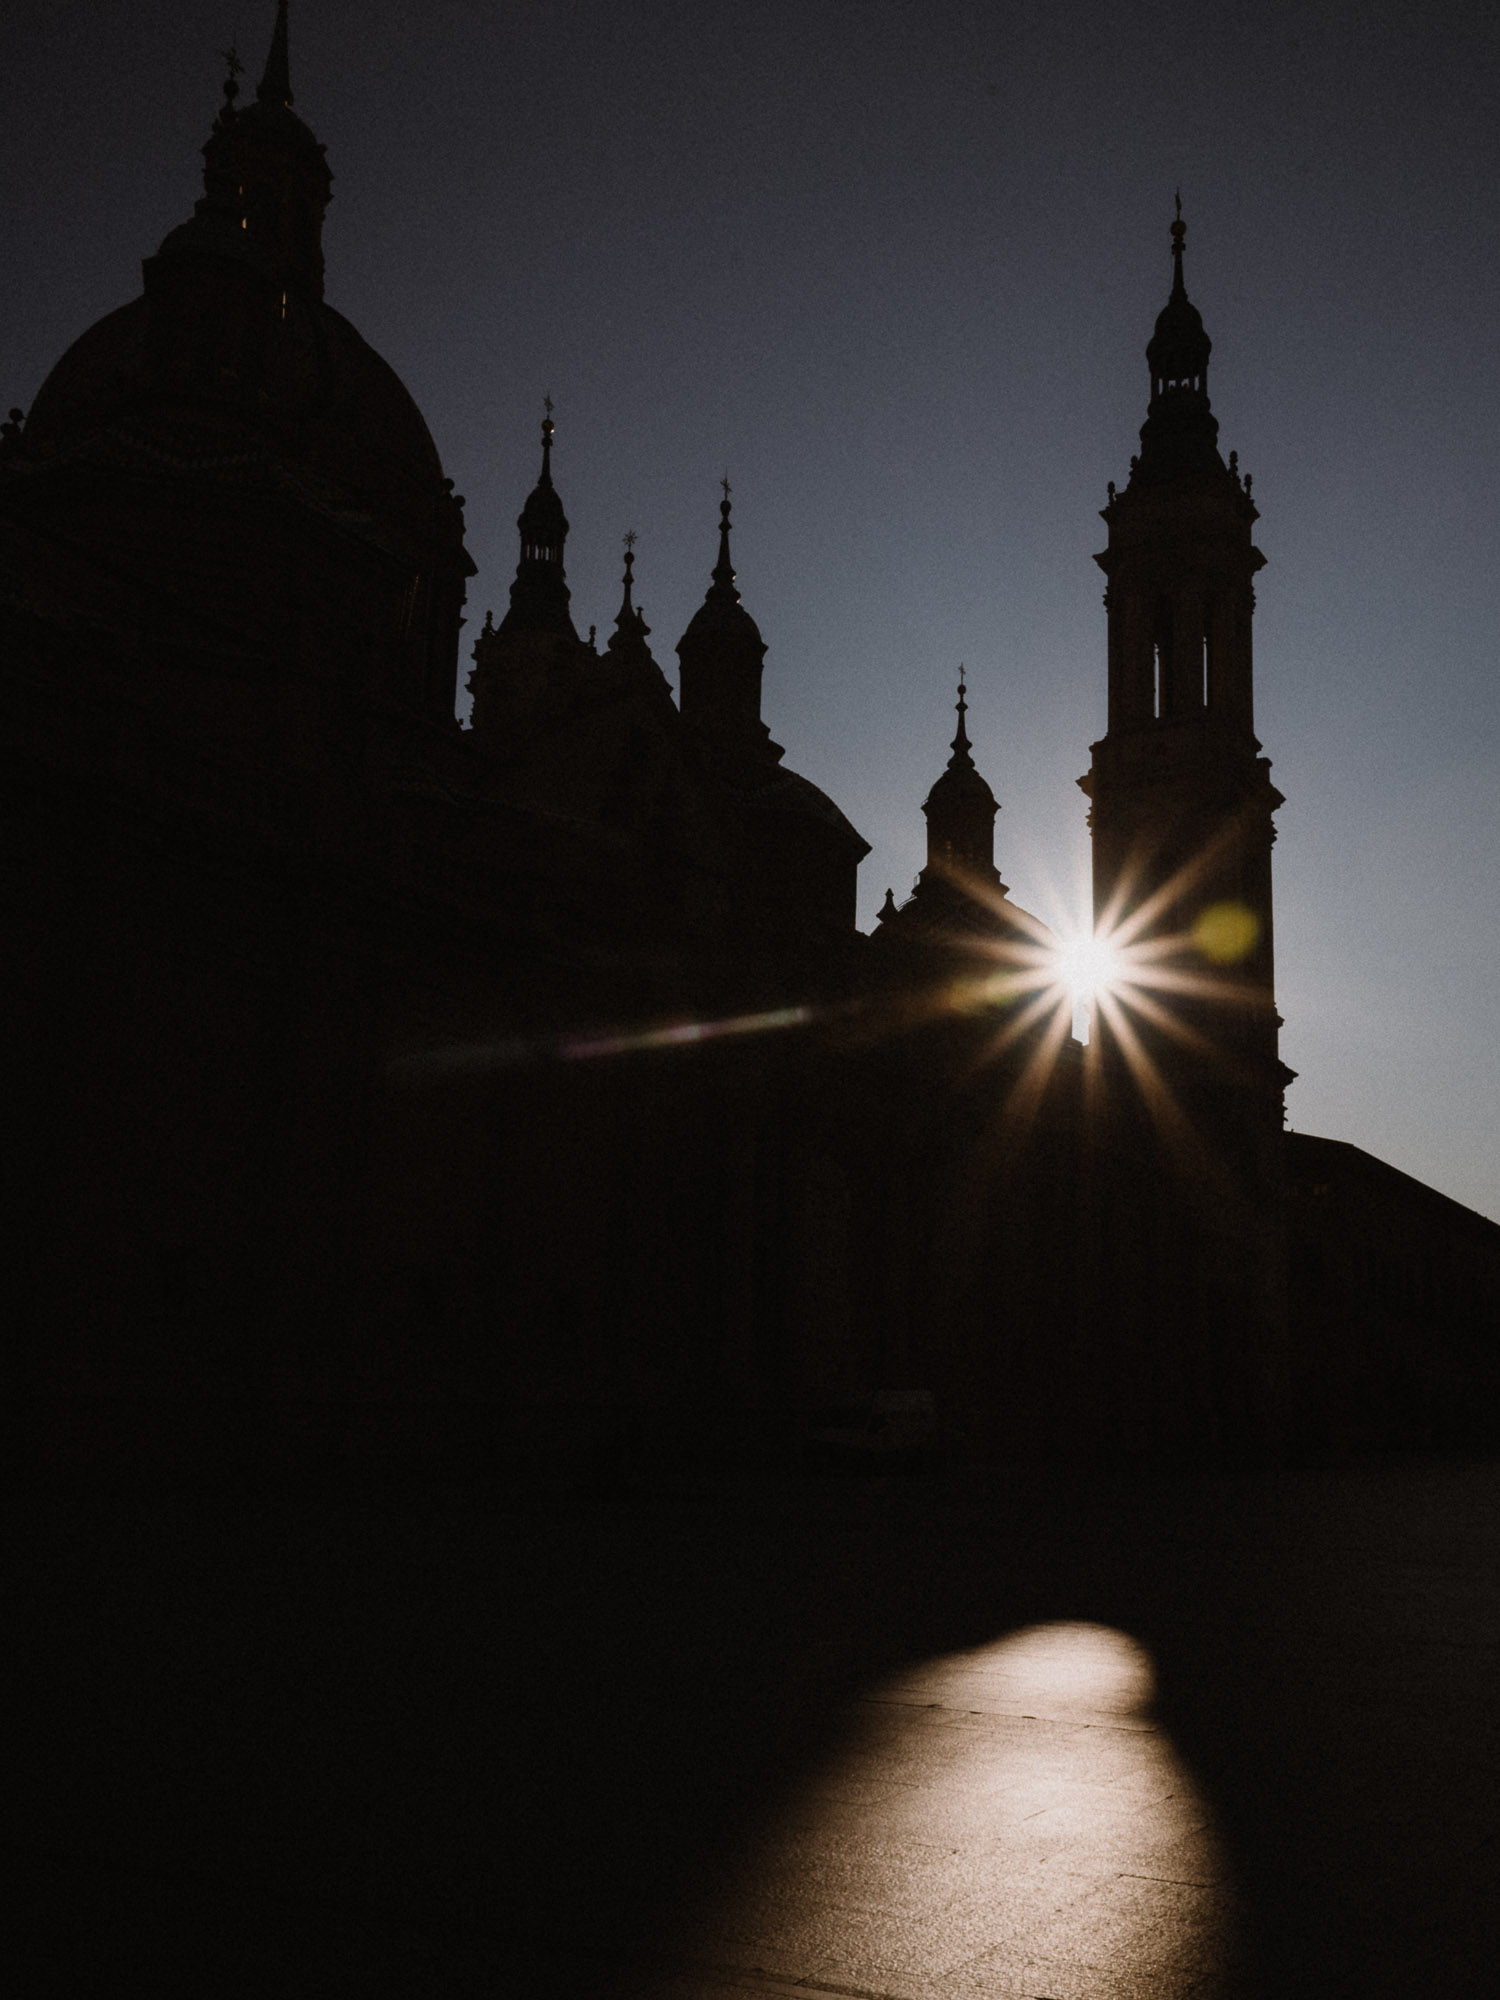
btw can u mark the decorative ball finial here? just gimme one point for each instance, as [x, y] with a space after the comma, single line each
[961, 745]
[235, 69]
[1179, 233]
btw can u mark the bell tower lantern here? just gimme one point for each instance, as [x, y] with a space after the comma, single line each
[1181, 797]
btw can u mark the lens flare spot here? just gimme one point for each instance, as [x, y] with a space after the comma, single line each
[1087, 966]
[1226, 932]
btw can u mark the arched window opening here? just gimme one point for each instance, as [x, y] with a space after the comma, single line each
[1161, 655]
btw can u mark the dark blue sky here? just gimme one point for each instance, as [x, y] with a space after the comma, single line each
[895, 266]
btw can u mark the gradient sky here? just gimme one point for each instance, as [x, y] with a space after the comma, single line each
[895, 266]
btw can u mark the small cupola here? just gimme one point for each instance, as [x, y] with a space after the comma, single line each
[1181, 432]
[539, 597]
[960, 811]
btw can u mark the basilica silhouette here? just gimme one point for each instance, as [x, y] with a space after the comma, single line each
[384, 1092]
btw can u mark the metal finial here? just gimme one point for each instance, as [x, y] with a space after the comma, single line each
[961, 739]
[723, 571]
[630, 539]
[547, 404]
[235, 70]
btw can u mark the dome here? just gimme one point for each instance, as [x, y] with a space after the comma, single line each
[314, 394]
[960, 788]
[721, 615]
[231, 358]
[788, 792]
[1178, 350]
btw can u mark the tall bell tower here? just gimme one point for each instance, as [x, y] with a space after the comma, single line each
[1181, 797]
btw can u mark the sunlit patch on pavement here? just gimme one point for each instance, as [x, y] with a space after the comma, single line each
[1001, 1823]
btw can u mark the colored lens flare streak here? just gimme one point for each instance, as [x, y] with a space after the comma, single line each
[684, 1034]
[510, 1051]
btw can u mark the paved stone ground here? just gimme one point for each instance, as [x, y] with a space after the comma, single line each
[797, 1737]
[1007, 1821]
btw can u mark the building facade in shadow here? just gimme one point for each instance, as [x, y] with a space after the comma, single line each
[387, 1091]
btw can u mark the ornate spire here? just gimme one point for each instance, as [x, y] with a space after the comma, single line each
[721, 611]
[628, 640]
[549, 432]
[961, 760]
[724, 568]
[1180, 433]
[234, 69]
[722, 653]
[960, 809]
[539, 596]
[629, 539]
[276, 81]
[543, 525]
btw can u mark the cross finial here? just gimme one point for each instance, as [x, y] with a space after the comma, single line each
[630, 539]
[960, 673]
[1179, 204]
[724, 482]
[547, 404]
[235, 70]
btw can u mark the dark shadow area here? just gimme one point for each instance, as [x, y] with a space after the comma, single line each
[428, 1739]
